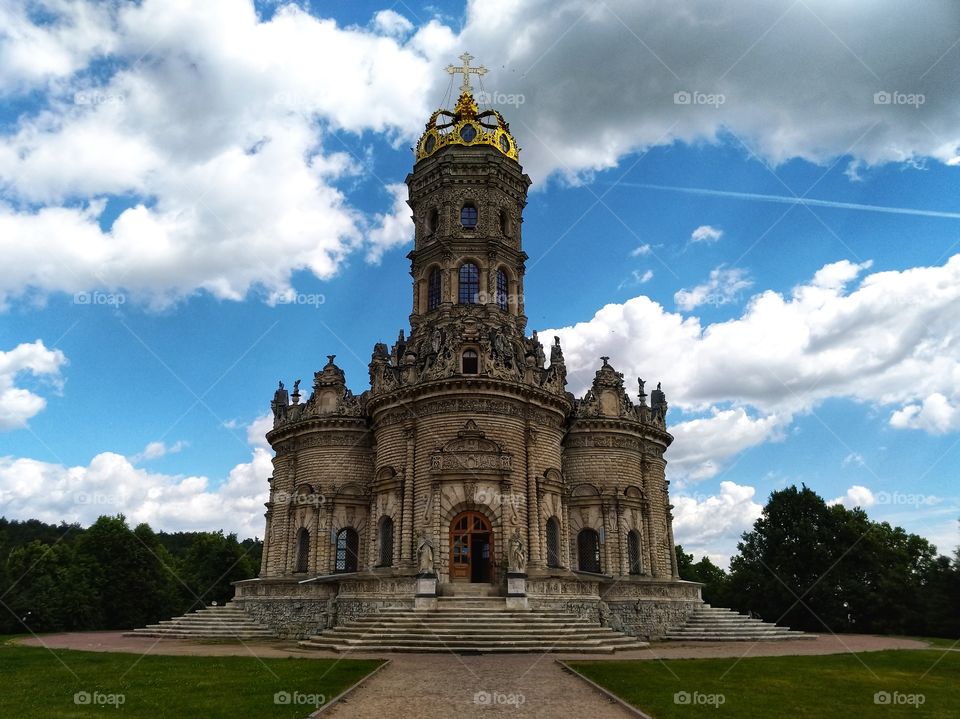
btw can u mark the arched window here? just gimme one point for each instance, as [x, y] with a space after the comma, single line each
[588, 551]
[433, 289]
[433, 221]
[504, 223]
[468, 215]
[386, 542]
[303, 551]
[502, 289]
[469, 283]
[553, 542]
[633, 552]
[471, 362]
[348, 543]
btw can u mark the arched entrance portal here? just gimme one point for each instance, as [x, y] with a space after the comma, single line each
[471, 548]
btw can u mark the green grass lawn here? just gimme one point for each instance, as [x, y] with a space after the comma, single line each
[837, 685]
[939, 642]
[36, 683]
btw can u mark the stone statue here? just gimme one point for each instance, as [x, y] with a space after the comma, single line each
[330, 610]
[296, 387]
[518, 555]
[556, 354]
[425, 553]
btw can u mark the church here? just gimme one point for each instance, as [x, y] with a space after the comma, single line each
[467, 470]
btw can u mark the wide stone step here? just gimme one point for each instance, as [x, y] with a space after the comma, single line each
[227, 622]
[739, 638]
[467, 643]
[466, 627]
[455, 649]
[472, 621]
[446, 636]
[177, 634]
[474, 630]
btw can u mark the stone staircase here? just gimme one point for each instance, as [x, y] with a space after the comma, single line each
[227, 622]
[714, 624]
[472, 625]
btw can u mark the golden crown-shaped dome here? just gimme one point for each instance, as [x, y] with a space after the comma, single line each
[466, 125]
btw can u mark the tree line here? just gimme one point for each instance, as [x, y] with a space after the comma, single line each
[109, 576]
[825, 568]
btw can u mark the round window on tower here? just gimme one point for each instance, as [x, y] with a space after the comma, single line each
[430, 144]
[504, 143]
[468, 132]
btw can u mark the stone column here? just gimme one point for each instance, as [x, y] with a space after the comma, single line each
[674, 570]
[325, 562]
[608, 553]
[621, 538]
[568, 558]
[407, 556]
[530, 509]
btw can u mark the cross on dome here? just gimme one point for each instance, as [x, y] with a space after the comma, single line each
[465, 70]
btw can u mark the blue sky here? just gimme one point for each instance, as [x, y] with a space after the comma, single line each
[196, 203]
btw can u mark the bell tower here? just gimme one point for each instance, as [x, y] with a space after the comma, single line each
[467, 192]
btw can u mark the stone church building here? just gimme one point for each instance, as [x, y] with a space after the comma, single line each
[467, 469]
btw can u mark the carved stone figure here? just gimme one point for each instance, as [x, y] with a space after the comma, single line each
[425, 553]
[518, 555]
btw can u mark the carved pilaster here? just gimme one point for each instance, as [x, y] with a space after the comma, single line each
[408, 537]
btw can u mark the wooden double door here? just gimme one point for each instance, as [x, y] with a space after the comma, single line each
[471, 548]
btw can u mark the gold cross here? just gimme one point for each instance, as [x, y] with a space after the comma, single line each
[465, 70]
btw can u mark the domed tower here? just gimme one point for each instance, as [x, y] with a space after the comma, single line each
[464, 409]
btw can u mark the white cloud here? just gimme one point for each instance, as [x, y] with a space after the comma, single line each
[767, 60]
[641, 251]
[723, 287]
[702, 445]
[391, 230]
[392, 23]
[712, 525]
[155, 450]
[888, 340]
[636, 278]
[32, 53]
[854, 459]
[706, 233]
[17, 404]
[856, 496]
[936, 414]
[111, 483]
[245, 198]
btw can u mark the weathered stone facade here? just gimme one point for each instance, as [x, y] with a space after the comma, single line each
[467, 439]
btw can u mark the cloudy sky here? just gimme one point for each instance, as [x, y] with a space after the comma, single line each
[755, 203]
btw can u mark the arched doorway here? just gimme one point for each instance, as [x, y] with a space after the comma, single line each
[471, 548]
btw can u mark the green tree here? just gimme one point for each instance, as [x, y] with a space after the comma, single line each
[211, 564]
[130, 571]
[49, 589]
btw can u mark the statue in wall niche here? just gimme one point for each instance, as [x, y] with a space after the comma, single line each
[425, 553]
[330, 610]
[603, 613]
[518, 555]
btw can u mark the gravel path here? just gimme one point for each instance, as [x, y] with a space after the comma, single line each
[436, 686]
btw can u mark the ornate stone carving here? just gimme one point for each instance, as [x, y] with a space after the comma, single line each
[471, 451]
